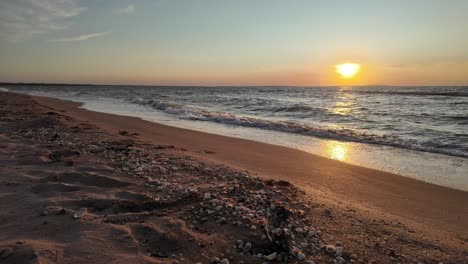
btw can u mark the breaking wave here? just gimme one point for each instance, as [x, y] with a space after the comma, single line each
[338, 133]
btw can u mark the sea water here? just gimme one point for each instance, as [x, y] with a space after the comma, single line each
[419, 132]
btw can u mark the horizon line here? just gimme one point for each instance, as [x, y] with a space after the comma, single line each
[268, 85]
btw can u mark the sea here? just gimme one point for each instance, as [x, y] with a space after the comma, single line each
[417, 132]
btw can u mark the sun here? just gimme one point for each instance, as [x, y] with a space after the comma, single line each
[348, 70]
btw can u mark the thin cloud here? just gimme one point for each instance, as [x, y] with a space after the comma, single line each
[20, 19]
[82, 37]
[126, 10]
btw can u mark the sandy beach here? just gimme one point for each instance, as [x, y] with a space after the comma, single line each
[159, 194]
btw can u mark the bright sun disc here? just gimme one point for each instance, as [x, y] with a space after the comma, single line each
[348, 70]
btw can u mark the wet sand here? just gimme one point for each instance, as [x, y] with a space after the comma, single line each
[159, 194]
[423, 203]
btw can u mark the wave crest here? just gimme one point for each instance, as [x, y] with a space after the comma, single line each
[293, 127]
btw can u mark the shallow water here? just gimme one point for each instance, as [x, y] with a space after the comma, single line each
[420, 132]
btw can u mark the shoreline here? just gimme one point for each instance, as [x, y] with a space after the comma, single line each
[373, 189]
[131, 175]
[398, 158]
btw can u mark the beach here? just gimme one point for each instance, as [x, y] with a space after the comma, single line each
[160, 194]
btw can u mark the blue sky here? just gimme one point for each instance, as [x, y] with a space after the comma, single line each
[233, 42]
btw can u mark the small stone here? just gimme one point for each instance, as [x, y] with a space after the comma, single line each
[339, 251]
[5, 252]
[272, 256]
[340, 260]
[240, 243]
[224, 261]
[295, 251]
[80, 213]
[247, 247]
[330, 249]
[62, 212]
[301, 256]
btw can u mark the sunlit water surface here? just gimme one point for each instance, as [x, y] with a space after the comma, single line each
[420, 133]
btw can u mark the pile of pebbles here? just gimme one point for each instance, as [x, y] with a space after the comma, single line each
[269, 220]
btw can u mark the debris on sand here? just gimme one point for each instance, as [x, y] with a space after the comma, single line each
[80, 213]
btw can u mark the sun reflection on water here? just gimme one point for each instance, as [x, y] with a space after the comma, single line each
[343, 108]
[345, 104]
[337, 150]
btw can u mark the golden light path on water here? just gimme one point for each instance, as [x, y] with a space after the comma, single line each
[345, 102]
[337, 150]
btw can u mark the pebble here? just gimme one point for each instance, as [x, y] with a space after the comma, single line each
[339, 251]
[247, 247]
[244, 201]
[295, 251]
[272, 256]
[5, 252]
[304, 245]
[239, 243]
[330, 248]
[340, 260]
[301, 256]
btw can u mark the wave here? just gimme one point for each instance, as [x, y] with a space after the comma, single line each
[293, 108]
[2, 89]
[419, 93]
[340, 133]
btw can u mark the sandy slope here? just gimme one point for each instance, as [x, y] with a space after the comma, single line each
[428, 204]
[150, 202]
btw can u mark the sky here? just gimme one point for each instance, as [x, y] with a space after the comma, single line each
[234, 42]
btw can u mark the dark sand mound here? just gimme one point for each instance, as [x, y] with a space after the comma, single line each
[17, 253]
[86, 179]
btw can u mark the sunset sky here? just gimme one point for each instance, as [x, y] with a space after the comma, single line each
[234, 42]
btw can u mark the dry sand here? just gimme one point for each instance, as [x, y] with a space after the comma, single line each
[158, 194]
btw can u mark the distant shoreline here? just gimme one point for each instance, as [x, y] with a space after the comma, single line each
[239, 86]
